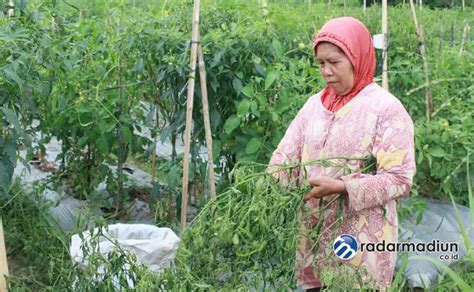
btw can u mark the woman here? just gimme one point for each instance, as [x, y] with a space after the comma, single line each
[351, 117]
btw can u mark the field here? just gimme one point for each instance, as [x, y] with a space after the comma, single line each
[106, 81]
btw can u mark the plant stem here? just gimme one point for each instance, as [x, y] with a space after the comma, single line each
[121, 139]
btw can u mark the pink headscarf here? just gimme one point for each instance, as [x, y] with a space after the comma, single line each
[354, 39]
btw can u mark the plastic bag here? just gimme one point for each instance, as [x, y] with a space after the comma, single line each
[155, 247]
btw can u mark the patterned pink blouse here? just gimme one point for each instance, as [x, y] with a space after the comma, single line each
[375, 124]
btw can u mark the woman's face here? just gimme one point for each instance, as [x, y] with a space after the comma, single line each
[335, 67]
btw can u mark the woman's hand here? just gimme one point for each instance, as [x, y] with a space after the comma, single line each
[325, 186]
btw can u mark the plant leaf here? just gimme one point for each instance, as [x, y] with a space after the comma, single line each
[127, 134]
[243, 107]
[237, 84]
[437, 151]
[6, 173]
[13, 76]
[13, 119]
[231, 124]
[253, 145]
[270, 79]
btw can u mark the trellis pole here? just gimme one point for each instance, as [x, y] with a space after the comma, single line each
[441, 31]
[207, 122]
[385, 45]
[464, 37]
[421, 41]
[3, 260]
[196, 52]
[189, 112]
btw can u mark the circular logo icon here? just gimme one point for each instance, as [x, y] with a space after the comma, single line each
[345, 247]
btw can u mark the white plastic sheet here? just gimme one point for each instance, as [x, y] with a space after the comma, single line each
[155, 247]
[439, 223]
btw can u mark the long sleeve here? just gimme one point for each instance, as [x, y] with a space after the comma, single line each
[289, 150]
[393, 149]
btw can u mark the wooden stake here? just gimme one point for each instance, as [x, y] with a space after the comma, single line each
[365, 5]
[207, 122]
[452, 34]
[121, 149]
[189, 112]
[440, 47]
[385, 45]
[3, 261]
[464, 37]
[421, 40]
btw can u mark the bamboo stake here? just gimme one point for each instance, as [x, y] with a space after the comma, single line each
[3, 260]
[428, 95]
[441, 31]
[385, 45]
[365, 5]
[452, 34]
[207, 123]
[121, 148]
[464, 37]
[189, 112]
[463, 5]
